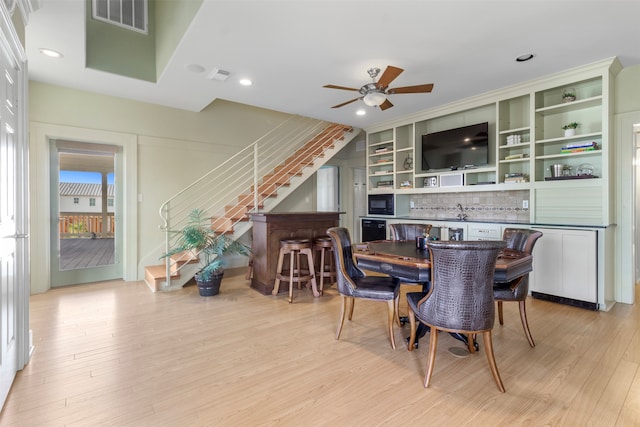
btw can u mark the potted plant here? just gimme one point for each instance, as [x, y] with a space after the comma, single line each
[210, 247]
[569, 95]
[570, 129]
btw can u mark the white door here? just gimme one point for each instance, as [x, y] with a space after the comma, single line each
[10, 236]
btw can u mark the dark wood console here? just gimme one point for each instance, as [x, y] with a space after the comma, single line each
[270, 228]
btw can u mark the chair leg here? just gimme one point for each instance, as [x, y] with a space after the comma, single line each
[500, 313]
[488, 348]
[433, 345]
[525, 323]
[352, 302]
[397, 305]
[391, 314]
[412, 331]
[343, 312]
[470, 340]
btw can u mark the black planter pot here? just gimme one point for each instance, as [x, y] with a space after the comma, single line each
[208, 288]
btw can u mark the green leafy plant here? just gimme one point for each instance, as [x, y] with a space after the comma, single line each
[201, 240]
[572, 125]
[569, 95]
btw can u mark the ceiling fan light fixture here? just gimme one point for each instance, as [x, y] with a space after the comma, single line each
[374, 99]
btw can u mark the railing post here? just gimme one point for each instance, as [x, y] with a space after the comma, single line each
[167, 261]
[255, 178]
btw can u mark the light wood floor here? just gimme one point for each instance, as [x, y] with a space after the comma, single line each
[116, 354]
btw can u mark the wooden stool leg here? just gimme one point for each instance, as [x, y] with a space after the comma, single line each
[312, 273]
[321, 269]
[291, 270]
[276, 284]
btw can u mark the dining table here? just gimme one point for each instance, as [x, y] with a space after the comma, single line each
[404, 260]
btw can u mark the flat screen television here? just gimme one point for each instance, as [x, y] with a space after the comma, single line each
[466, 146]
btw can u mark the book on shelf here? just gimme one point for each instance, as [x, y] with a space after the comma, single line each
[564, 150]
[516, 156]
[580, 144]
[381, 150]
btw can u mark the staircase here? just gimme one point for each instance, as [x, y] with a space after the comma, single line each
[254, 180]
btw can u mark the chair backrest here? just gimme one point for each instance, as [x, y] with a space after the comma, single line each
[461, 295]
[343, 255]
[408, 231]
[521, 239]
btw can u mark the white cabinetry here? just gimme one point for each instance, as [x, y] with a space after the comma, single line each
[565, 266]
[484, 232]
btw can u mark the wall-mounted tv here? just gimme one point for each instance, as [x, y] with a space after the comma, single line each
[457, 148]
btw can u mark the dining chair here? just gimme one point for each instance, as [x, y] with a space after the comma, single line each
[523, 240]
[352, 283]
[406, 231]
[461, 297]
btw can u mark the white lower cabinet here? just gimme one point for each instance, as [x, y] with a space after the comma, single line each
[565, 266]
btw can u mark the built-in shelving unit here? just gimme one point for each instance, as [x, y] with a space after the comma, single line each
[526, 138]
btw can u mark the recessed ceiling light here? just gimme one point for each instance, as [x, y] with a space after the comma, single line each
[246, 82]
[524, 57]
[50, 53]
[194, 68]
[361, 112]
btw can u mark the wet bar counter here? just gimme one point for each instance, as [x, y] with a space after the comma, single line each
[270, 228]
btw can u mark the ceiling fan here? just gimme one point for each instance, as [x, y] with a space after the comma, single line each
[375, 94]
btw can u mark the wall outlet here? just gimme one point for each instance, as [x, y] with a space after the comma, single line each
[412, 204]
[525, 204]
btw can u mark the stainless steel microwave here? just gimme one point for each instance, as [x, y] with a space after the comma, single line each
[381, 204]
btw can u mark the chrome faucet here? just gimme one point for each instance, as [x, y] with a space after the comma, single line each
[461, 216]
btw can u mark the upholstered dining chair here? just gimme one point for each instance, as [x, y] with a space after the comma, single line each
[405, 231]
[523, 240]
[461, 297]
[353, 284]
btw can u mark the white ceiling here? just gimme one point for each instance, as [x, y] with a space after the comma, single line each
[290, 49]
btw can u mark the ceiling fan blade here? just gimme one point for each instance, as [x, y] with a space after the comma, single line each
[345, 103]
[340, 87]
[388, 76]
[412, 89]
[386, 104]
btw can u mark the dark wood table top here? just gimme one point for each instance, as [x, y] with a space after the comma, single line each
[402, 259]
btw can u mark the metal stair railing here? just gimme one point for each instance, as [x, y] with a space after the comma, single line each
[240, 174]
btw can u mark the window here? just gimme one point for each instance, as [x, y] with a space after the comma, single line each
[110, 203]
[92, 201]
[131, 14]
[76, 200]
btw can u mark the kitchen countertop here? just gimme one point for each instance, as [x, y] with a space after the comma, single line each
[486, 221]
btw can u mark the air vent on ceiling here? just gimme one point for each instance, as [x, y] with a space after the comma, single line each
[131, 14]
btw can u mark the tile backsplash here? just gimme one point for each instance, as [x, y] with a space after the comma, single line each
[490, 206]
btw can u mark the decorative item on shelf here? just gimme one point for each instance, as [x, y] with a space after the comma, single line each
[406, 184]
[570, 128]
[431, 181]
[515, 178]
[408, 162]
[585, 169]
[569, 95]
[514, 139]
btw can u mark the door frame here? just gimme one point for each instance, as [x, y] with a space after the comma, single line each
[40, 136]
[86, 274]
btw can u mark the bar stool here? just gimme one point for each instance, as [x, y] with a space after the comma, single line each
[294, 248]
[327, 266]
